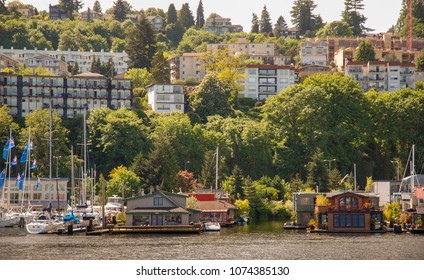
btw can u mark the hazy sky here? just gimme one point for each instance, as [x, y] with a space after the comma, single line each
[381, 14]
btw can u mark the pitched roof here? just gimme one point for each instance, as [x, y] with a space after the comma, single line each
[176, 210]
[215, 206]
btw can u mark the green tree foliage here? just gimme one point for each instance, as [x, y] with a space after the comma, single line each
[140, 78]
[352, 16]
[185, 16]
[280, 28]
[365, 52]
[417, 19]
[70, 6]
[161, 70]
[335, 29]
[37, 127]
[317, 172]
[265, 25]
[211, 98]
[141, 35]
[120, 10]
[122, 179]
[174, 32]
[195, 40]
[171, 15]
[391, 212]
[255, 24]
[200, 16]
[303, 18]
[97, 7]
[419, 63]
[3, 8]
[334, 178]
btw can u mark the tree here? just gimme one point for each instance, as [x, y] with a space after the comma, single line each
[265, 25]
[211, 98]
[185, 16]
[70, 6]
[370, 185]
[419, 63]
[303, 17]
[140, 78]
[351, 15]
[317, 172]
[280, 28]
[123, 181]
[37, 123]
[255, 24]
[96, 7]
[174, 32]
[187, 182]
[335, 29]
[141, 35]
[171, 14]
[161, 70]
[120, 10]
[3, 8]
[200, 17]
[365, 52]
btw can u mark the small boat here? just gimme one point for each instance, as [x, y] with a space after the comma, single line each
[43, 224]
[212, 226]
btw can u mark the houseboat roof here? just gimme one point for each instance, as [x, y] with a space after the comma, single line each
[177, 210]
[215, 206]
[350, 192]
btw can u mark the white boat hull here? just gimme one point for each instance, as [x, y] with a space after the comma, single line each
[212, 226]
[40, 227]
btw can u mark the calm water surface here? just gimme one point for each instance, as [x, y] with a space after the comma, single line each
[260, 241]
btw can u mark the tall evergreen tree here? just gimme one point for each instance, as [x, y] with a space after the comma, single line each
[303, 18]
[317, 172]
[3, 8]
[185, 16]
[280, 27]
[200, 17]
[265, 25]
[96, 7]
[171, 14]
[255, 24]
[120, 10]
[141, 44]
[351, 15]
[161, 70]
[70, 6]
[365, 52]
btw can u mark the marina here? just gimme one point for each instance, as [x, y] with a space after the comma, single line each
[265, 240]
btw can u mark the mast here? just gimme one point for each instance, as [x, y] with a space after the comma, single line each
[84, 178]
[8, 167]
[72, 178]
[217, 168]
[50, 148]
[412, 168]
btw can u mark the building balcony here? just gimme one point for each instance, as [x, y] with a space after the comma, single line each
[350, 70]
[376, 78]
[377, 70]
[406, 72]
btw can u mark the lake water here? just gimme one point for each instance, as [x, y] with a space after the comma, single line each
[265, 241]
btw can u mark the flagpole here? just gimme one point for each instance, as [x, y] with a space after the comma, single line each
[28, 169]
[8, 173]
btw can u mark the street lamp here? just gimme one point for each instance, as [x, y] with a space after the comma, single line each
[329, 163]
[185, 165]
[398, 167]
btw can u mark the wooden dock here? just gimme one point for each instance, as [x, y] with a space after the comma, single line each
[149, 229]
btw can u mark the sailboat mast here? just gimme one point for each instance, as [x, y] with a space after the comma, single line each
[412, 168]
[72, 178]
[217, 168]
[8, 166]
[50, 148]
[84, 184]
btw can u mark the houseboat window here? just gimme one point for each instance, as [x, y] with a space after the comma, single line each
[173, 219]
[348, 201]
[349, 221]
[141, 220]
[158, 201]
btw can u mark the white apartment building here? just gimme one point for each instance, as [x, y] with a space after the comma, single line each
[383, 76]
[82, 58]
[314, 51]
[187, 65]
[38, 198]
[68, 96]
[263, 81]
[165, 98]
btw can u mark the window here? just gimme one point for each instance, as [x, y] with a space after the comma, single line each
[252, 80]
[349, 221]
[158, 201]
[252, 88]
[252, 71]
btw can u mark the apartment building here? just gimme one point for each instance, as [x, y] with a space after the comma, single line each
[54, 192]
[314, 51]
[7, 62]
[263, 81]
[187, 66]
[165, 98]
[383, 76]
[53, 65]
[68, 96]
[219, 25]
[82, 58]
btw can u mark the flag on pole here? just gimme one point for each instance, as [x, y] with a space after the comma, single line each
[38, 184]
[20, 181]
[344, 178]
[15, 161]
[33, 165]
[9, 145]
[2, 176]
[24, 155]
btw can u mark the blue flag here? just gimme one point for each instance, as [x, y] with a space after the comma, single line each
[24, 155]
[33, 165]
[38, 184]
[20, 181]
[15, 161]
[9, 144]
[2, 176]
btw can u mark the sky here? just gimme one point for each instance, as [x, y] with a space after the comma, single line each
[240, 11]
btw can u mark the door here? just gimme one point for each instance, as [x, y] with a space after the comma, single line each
[157, 220]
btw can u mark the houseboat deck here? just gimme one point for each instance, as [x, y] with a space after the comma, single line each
[346, 231]
[149, 229]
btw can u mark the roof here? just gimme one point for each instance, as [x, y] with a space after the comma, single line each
[177, 210]
[163, 193]
[215, 206]
[90, 74]
[377, 62]
[192, 54]
[354, 193]
[267, 66]
[360, 63]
